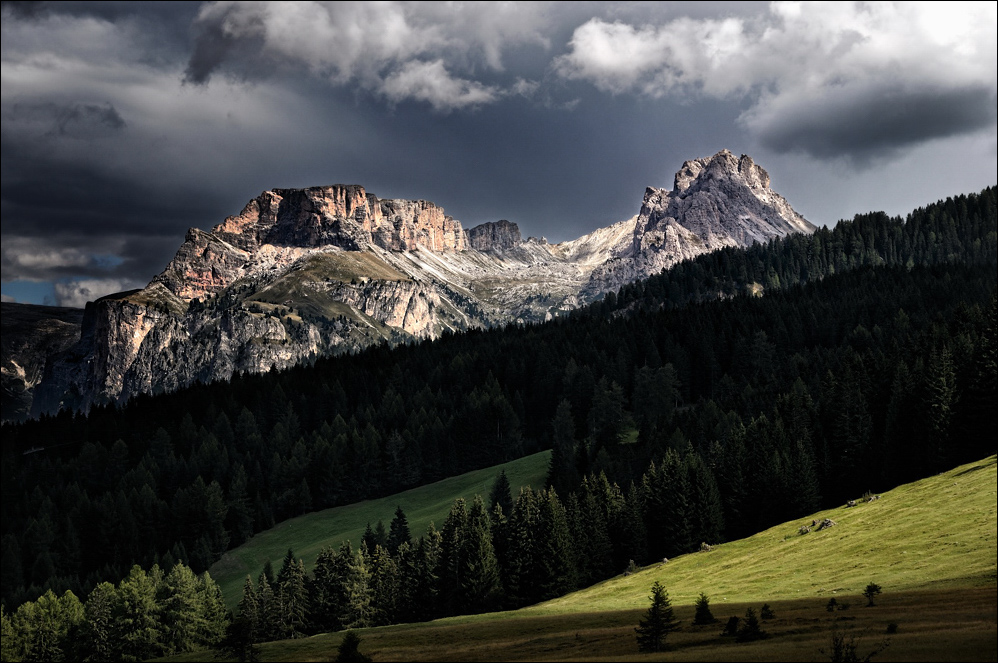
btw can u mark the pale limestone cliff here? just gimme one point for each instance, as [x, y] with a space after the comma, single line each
[300, 273]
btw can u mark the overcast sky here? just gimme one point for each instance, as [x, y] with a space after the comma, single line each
[124, 124]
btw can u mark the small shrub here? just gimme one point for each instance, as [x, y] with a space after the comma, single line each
[892, 628]
[349, 652]
[767, 612]
[830, 606]
[871, 592]
[846, 649]
[703, 614]
[731, 628]
[750, 629]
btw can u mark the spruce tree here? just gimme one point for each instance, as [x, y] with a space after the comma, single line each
[480, 583]
[398, 531]
[384, 587]
[501, 493]
[703, 614]
[659, 621]
[359, 609]
[349, 651]
[249, 610]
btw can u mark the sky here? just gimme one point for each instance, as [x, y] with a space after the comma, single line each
[124, 124]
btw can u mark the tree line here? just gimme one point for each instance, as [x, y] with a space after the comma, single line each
[855, 376]
[148, 614]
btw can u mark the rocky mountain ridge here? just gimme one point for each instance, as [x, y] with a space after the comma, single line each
[300, 273]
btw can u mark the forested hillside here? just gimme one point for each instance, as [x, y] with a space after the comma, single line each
[869, 360]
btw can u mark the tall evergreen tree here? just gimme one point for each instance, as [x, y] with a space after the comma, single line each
[480, 581]
[359, 608]
[501, 493]
[658, 622]
[398, 531]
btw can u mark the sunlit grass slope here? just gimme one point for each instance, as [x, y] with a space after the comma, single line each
[931, 545]
[308, 534]
[941, 530]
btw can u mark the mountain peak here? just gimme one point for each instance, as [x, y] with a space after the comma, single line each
[723, 165]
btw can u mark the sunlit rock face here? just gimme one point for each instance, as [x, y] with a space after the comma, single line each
[301, 273]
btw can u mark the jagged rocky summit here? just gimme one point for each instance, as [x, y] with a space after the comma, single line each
[300, 273]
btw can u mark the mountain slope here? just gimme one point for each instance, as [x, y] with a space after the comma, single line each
[930, 544]
[300, 273]
[30, 335]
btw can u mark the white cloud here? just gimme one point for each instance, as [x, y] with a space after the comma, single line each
[825, 78]
[395, 49]
[8, 299]
[77, 293]
[31, 255]
[430, 82]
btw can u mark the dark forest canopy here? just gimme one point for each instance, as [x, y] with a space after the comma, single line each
[869, 361]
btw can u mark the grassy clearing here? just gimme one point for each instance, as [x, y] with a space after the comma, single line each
[308, 534]
[931, 545]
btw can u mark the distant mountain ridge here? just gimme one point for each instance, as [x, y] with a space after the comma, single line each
[300, 273]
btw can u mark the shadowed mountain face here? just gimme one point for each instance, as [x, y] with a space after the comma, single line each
[30, 334]
[301, 273]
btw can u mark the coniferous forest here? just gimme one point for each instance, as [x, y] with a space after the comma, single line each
[731, 392]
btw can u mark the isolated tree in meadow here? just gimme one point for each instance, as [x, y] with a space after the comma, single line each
[703, 614]
[871, 592]
[750, 629]
[658, 622]
[349, 651]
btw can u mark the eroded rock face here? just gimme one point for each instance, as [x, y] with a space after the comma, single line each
[300, 273]
[495, 236]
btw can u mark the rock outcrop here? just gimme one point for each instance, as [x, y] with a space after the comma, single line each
[715, 202]
[495, 236]
[300, 273]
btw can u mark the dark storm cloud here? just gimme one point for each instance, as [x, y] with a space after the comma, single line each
[874, 122]
[123, 124]
[828, 80]
[69, 119]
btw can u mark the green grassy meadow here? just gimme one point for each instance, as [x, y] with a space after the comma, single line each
[931, 545]
[309, 534]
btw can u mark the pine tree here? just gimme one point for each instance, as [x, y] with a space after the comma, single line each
[452, 556]
[183, 619]
[98, 627]
[349, 651]
[703, 614]
[501, 493]
[384, 586]
[359, 609]
[398, 531]
[137, 629]
[562, 472]
[328, 600]
[750, 629]
[295, 604]
[659, 621]
[249, 610]
[480, 583]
